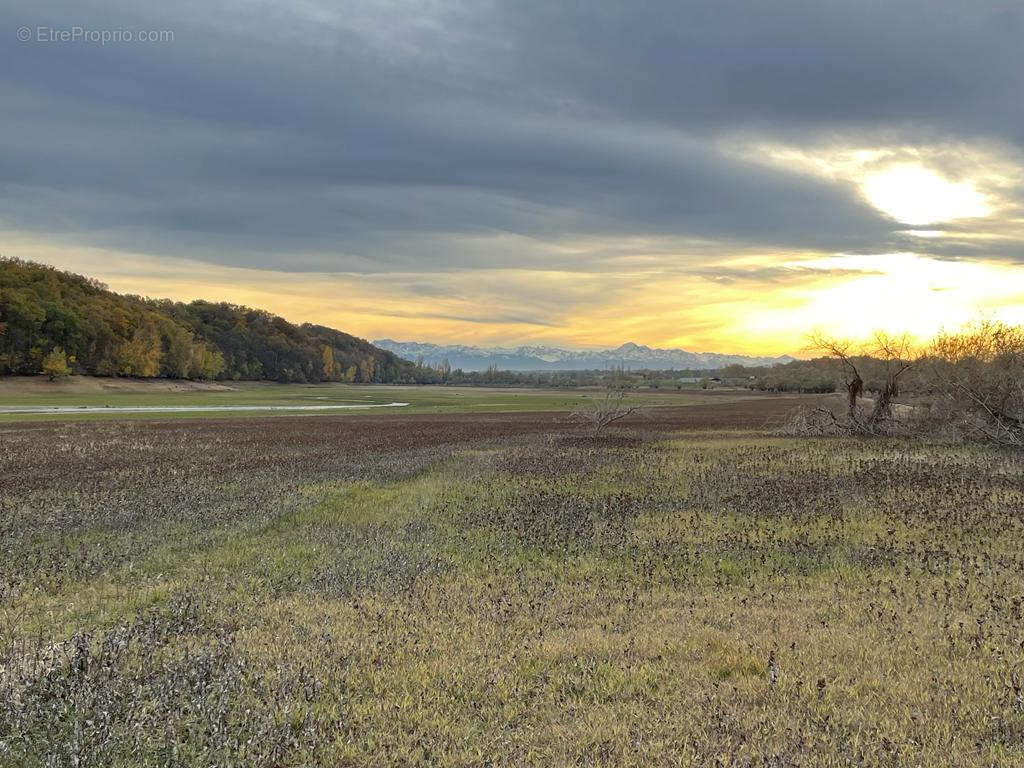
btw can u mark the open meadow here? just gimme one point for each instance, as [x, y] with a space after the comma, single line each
[512, 384]
[482, 588]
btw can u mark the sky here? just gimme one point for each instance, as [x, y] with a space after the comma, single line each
[718, 176]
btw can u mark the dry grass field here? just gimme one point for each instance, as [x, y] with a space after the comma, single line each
[498, 589]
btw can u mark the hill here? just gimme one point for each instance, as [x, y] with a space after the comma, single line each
[539, 358]
[49, 318]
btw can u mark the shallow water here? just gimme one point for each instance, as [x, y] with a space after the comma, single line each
[182, 408]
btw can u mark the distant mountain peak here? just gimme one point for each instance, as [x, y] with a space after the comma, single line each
[537, 358]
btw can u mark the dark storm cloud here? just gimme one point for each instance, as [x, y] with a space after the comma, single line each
[885, 66]
[370, 137]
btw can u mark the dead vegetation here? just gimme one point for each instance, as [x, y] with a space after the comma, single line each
[976, 382]
[600, 412]
[876, 367]
[967, 385]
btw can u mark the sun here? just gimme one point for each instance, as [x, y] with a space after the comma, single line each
[915, 195]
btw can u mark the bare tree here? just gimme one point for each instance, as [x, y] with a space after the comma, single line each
[842, 352]
[896, 356]
[602, 411]
[888, 356]
[968, 384]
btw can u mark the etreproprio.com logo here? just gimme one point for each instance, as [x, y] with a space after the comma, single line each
[98, 36]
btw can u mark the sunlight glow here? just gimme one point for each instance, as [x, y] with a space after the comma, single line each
[899, 292]
[915, 195]
[923, 232]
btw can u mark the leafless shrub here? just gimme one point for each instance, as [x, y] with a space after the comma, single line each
[810, 422]
[965, 385]
[602, 411]
[823, 422]
[976, 380]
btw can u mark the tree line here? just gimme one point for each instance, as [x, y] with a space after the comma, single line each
[56, 323]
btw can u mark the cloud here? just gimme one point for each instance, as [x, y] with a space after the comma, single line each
[394, 134]
[436, 145]
[798, 65]
[775, 274]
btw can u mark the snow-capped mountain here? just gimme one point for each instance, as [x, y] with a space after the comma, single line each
[541, 358]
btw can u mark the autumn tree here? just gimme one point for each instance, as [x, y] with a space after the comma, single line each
[178, 355]
[56, 364]
[366, 369]
[327, 362]
[141, 356]
[207, 363]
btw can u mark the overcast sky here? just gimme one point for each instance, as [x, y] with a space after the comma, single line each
[713, 175]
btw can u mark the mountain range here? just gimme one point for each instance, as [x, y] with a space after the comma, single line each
[543, 358]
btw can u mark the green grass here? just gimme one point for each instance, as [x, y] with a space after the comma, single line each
[421, 399]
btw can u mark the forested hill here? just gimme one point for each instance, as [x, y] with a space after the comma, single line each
[57, 322]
